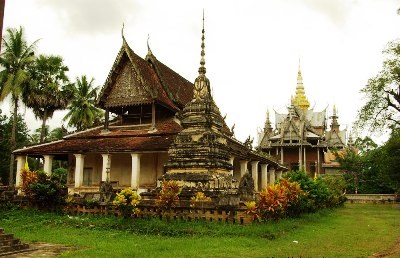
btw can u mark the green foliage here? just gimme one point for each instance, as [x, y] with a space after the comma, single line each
[317, 194]
[382, 94]
[60, 175]
[336, 186]
[47, 191]
[48, 78]
[22, 139]
[15, 60]
[83, 112]
[375, 169]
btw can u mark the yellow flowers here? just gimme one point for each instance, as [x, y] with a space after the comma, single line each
[200, 197]
[126, 201]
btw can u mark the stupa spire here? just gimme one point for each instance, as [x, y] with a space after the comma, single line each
[202, 84]
[300, 99]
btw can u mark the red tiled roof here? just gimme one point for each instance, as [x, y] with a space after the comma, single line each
[85, 145]
[179, 89]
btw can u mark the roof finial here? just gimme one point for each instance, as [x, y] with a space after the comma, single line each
[202, 84]
[149, 51]
[122, 35]
[202, 68]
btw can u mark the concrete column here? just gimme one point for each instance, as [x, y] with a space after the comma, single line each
[136, 170]
[243, 167]
[254, 165]
[272, 177]
[318, 162]
[282, 155]
[279, 174]
[47, 164]
[300, 157]
[263, 168]
[106, 158]
[232, 164]
[20, 165]
[79, 169]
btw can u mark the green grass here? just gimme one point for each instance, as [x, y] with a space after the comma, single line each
[357, 230]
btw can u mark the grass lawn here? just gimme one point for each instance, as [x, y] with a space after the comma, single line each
[357, 230]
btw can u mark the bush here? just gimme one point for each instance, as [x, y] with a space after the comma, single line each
[336, 186]
[126, 201]
[317, 193]
[168, 195]
[60, 175]
[275, 201]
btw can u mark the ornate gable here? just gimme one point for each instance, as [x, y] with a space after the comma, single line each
[128, 88]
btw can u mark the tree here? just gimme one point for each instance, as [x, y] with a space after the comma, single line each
[22, 138]
[48, 79]
[82, 110]
[14, 76]
[372, 169]
[382, 93]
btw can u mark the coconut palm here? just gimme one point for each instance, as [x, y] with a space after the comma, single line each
[48, 79]
[82, 110]
[15, 60]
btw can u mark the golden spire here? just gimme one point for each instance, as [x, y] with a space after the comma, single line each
[300, 99]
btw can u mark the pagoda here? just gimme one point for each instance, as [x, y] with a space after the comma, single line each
[200, 153]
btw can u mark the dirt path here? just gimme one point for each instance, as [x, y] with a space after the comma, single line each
[393, 251]
[40, 249]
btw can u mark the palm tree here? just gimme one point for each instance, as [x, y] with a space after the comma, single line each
[17, 56]
[83, 112]
[48, 79]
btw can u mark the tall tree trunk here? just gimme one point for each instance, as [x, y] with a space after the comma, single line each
[13, 142]
[43, 131]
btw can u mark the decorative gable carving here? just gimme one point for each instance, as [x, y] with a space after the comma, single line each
[128, 89]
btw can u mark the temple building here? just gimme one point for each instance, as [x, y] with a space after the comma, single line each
[157, 125]
[301, 139]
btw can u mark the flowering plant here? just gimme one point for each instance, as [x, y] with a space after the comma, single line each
[126, 201]
[200, 197]
[168, 195]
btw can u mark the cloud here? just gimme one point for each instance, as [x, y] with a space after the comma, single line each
[336, 11]
[92, 17]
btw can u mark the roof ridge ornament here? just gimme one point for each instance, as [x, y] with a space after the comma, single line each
[202, 84]
[149, 50]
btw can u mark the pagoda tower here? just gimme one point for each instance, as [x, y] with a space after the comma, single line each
[199, 152]
[300, 99]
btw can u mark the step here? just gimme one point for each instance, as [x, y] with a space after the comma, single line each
[9, 242]
[6, 236]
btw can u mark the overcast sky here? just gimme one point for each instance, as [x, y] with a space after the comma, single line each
[252, 47]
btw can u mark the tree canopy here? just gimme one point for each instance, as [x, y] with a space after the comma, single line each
[382, 94]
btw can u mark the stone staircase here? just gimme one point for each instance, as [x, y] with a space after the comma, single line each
[10, 245]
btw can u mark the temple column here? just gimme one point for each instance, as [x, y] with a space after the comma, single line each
[20, 165]
[79, 169]
[47, 164]
[272, 173]
[279, 174]
[300, 157]
[136, 170]
[254, 165]
[263, 168]
[106, 164]
[318, 162]
[243, 167]
[232, 164]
